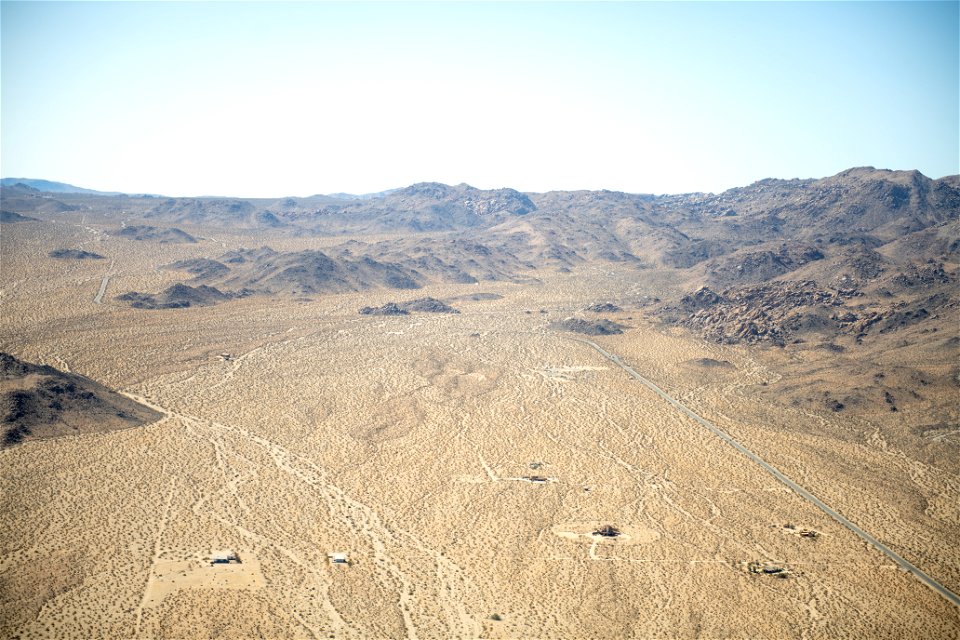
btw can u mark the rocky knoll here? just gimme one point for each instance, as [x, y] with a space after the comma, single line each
[74, 254]
[589, 327]
[39, 401]
[180, 296]
[422, 305]
[155, 234]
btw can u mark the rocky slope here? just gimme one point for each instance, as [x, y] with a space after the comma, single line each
[38, 401]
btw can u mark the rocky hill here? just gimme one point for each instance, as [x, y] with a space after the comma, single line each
[38, 401]
[75, 254]
[180, 296]
[154, 234]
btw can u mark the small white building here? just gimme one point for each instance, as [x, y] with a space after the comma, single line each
[338, 557]
[225, 557]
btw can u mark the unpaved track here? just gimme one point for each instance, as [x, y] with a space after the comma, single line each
[898, 560]
[153, 560]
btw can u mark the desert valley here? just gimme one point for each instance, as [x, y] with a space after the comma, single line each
[447, 412]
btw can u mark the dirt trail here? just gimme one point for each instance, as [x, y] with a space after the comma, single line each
[776, 473]
[452, 580]
[381, 536]
[153, 560]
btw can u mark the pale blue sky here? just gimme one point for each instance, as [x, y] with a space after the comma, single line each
[294, 99]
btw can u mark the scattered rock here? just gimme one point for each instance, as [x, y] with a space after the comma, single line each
[590, 327]
[155, 234]
[702, 298]
[389, 309]
[180, 296]
[422, 305]
[428, 305]
[711, 363]
[604, 307]
[74, 254]
[834, 405]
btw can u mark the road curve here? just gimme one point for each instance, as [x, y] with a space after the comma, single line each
[776, 473]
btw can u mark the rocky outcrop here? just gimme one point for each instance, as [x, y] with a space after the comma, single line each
[421, 305]
[589, 327]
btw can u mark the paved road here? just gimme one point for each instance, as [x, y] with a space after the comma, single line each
[776, 473]
[103, 286]
[103, 289]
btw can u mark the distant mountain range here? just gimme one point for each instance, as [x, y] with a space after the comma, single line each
[49, 186]
[363, 196]
[779, 258]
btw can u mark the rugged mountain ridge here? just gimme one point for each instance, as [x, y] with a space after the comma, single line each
[863, 230]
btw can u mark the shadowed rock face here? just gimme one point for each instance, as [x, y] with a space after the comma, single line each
[38, 401]
[202, 268]
[11, 216]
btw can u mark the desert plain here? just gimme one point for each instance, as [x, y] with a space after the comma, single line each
[463, 463]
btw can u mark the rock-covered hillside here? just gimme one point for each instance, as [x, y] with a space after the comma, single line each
[39, 401]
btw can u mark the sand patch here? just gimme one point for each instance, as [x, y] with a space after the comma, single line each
[173, 575]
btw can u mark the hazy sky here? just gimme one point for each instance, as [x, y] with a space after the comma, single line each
[295, 99]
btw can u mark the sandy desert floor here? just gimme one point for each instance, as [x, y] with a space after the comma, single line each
[461, 462]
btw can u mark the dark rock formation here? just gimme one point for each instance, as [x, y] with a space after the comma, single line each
[589, 327]
[74, 254]
[38, 401]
